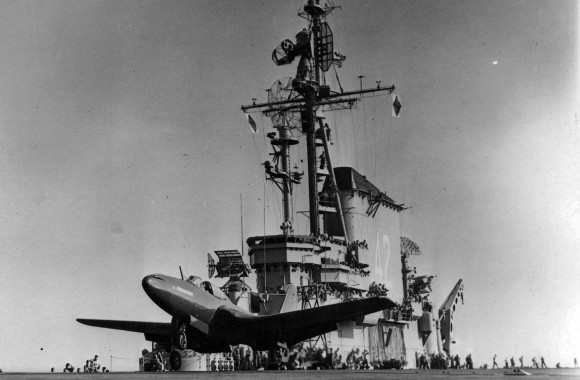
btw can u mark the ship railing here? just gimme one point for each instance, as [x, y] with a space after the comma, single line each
[273, 239]
[257, 241]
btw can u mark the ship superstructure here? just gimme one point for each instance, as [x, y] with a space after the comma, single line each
[353, 247]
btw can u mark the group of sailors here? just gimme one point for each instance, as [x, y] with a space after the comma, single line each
[306, 357]
[406, 309]
[226, 364]
[91, 365]
[158, 362]
[358, 243]
[326, 290]
[377, 289]
[512, 363]
[321, 291]
[356, 359]
[242, 358]
[443, 361]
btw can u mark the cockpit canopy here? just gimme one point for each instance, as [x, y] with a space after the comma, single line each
[195, 280]
[208, 287]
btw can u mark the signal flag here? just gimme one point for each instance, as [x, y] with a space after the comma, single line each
[338, 58]
[396, 105]
[252, 123]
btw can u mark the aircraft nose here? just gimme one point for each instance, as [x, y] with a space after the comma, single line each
[159, 288]
[151, 283]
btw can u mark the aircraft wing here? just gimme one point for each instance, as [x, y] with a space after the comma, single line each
[338, 312]
[263, 332]
[154, 331]
[303, 324]
[232, 326]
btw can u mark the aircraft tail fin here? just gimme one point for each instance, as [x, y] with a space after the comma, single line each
[290, 300]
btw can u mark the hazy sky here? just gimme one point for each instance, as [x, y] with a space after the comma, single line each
[124, 153]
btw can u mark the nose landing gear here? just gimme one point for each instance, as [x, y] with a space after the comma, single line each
[179, 342]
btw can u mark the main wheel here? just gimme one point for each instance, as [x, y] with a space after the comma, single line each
[182, 340]
[175, 360]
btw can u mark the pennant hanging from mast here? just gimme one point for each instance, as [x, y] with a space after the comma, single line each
[396, 105]
[252, 123]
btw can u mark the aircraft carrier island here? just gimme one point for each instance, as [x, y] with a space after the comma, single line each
[344, 293]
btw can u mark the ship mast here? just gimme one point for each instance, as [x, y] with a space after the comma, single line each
[305, 95]
[284, 153]
[308, 125]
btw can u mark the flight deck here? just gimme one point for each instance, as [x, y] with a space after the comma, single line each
[563, 373]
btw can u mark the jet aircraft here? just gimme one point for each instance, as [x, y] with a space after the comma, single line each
[205, 320]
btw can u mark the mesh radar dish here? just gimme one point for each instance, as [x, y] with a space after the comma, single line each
[409, 247]
[283, 53]
[325, 47]
[280, 91]
[231, 264]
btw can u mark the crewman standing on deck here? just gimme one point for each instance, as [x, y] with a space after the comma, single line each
[96, 364]
[236, 357]
[457, 362]
[468, 362]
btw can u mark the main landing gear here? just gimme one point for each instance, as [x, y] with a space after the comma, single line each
[179, 336]
[181, 340]
[175, 360]
[178, 342]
